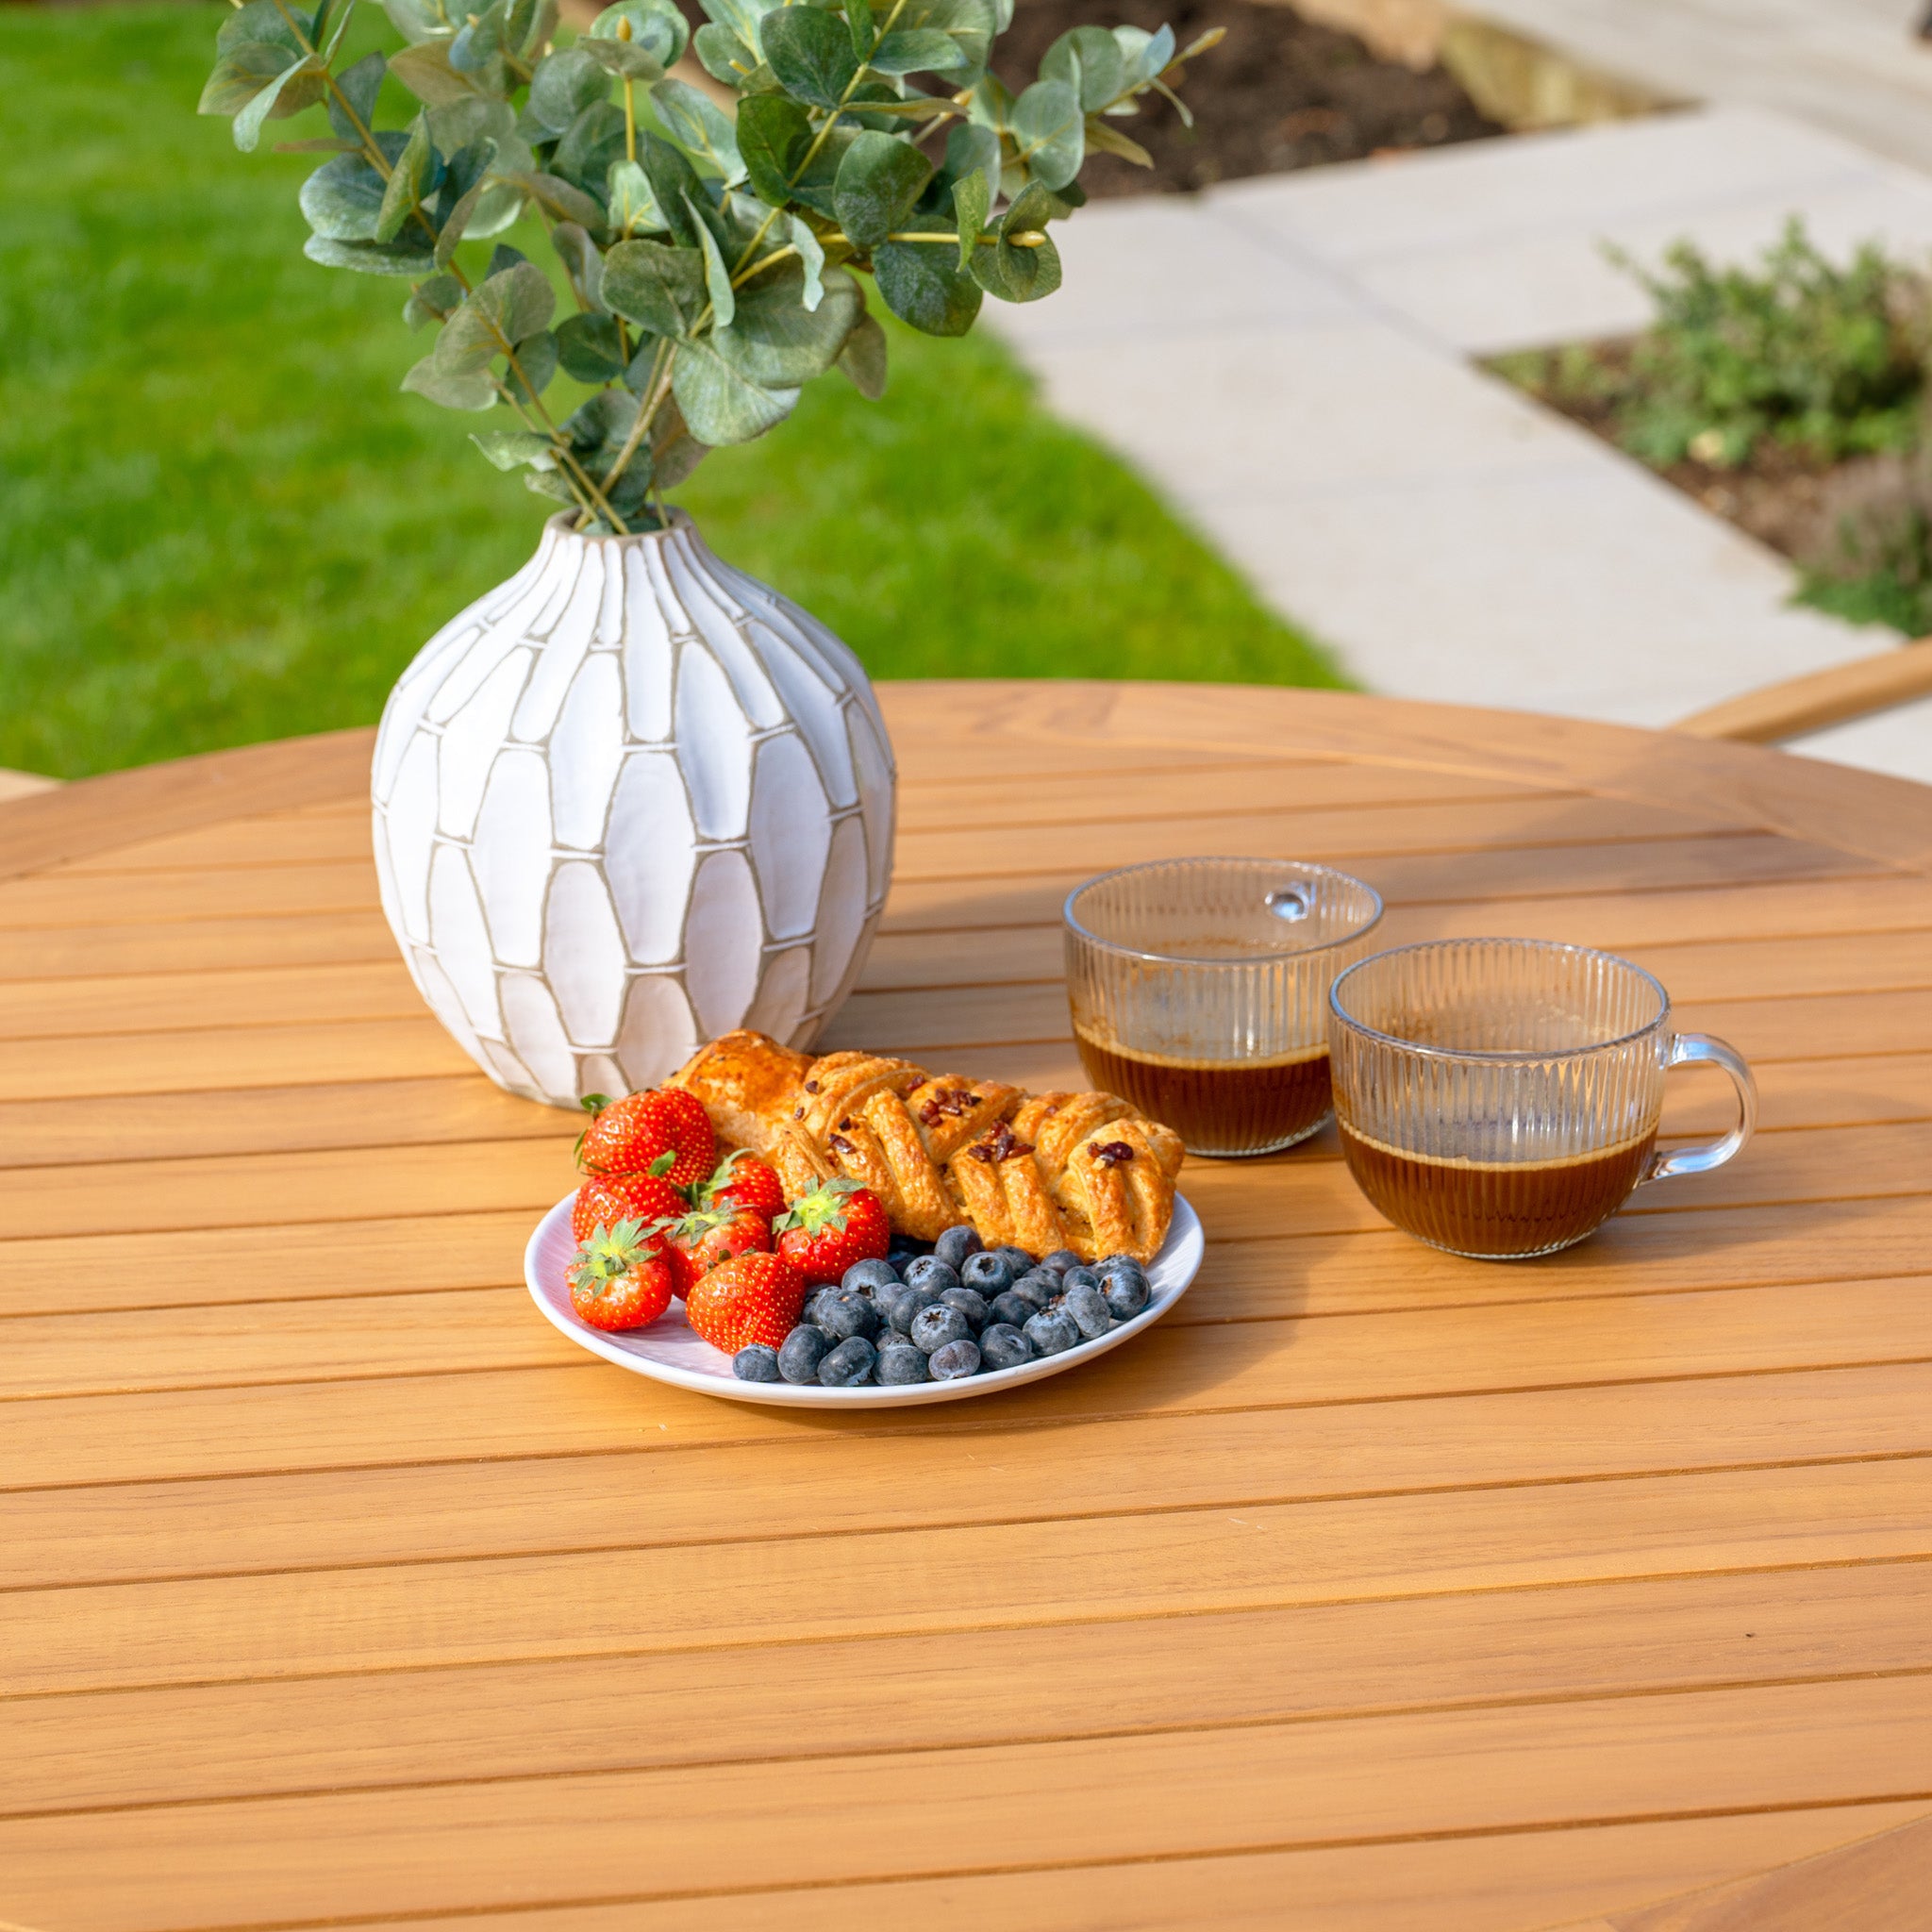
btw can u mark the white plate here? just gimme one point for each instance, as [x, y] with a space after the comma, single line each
[669, 1351]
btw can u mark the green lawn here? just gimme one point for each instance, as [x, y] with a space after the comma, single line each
[220, 520]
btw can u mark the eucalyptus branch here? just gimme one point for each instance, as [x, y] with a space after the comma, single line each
[817, 140]
[657, 387]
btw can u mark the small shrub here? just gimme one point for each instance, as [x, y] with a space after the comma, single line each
[1827, 361]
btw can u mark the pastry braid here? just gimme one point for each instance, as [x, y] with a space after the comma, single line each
[1040, 1171]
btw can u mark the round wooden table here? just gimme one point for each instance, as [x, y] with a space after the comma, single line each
[1373, 1590]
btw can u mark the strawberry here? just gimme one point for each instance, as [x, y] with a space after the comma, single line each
[622, 1278]
[704, 1237]
[633, 1134]
[837, 1223]
[604, 1200]
[745, 1181]
[752, 1297]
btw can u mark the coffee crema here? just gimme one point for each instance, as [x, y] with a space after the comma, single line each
[1497, 1209]
[1219, 1106]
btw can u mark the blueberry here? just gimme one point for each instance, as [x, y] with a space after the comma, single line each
[1059, 1262]
[868, 1277]
[911, 1300]
[957, 1358]
[1018, 1257]
[1053, 1333]
[843, 1312]
[968, 1302]
[1114, 1264]
[1126, 1295]
[929, 1272]
[1080, 1277]
[958, 1243]
[1035, 1291]
[1014, 1310]
[804, 1349]
[989, 1272]
[849, 1364]
[1003, 1346]
[935, 1326]
[757, 1363]
[902, 1253]
[1085, 1303]
[899, 1362]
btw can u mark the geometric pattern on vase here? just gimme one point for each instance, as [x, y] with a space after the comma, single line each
[626, 801]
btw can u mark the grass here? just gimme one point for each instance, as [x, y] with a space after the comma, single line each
[220, 522]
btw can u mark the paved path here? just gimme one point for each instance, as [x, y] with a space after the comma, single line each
[1289, 359]
[1855, 67]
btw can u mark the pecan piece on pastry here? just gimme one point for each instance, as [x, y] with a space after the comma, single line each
[1117, 1191]
[1005, 1194]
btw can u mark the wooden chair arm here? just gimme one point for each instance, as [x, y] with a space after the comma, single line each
[1800, 704]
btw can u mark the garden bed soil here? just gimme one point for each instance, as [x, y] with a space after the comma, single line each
[1279, 93]
[1794, 504]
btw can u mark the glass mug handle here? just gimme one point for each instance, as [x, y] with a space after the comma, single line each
[1695, 1049]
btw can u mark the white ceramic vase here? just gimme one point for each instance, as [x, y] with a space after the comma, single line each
[631, 799]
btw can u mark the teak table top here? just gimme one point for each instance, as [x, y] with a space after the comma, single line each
[1373, 1591]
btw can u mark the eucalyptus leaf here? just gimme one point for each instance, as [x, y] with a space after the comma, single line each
[658, 288]
[500, 312]
[973, 202]
[590, 349]
[532, 366]
[1103, 136]
[502, 257]
[632, 202]
[815, 185]
[740, 16]
[295, 87]
[343, 199]
[812, 255]
[774, 133]
[561, 200]
[990, 105]
[720, 405]
[657, 27]
[1142, 54]
[515, 449]
[435, 300]
[810, 52]
[674, 451]
[723, 54]
[551, 483]
[878, 181]
[675, 184]
[564, 84]
[1050, 128]
[261, 22]
[425, 70]
[779, 342]
[863, 358]
[478, 48]
[581, 263]
[420, 20]
[415, 175]
[1017, 274]
[968, 24]
[455, 224]
[242, 73]
[463, 389]
[923, 285]
[368, 258]
[717, 276]
[624, 60]
[1090, 61]
[594, 140]
[969, 150]
[916, 50]
[358, 86]
[700, 127]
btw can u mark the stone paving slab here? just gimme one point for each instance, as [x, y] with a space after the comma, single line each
[1289, 361]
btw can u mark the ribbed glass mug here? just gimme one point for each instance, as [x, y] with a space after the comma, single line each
[1500, 1098]
[1199, 990]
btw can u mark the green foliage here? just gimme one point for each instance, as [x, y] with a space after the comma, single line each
[711, 233]
[224, 524]
[1827, 361]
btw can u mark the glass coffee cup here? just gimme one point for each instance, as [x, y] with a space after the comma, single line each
[1500, 1098]
[1199, 992]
